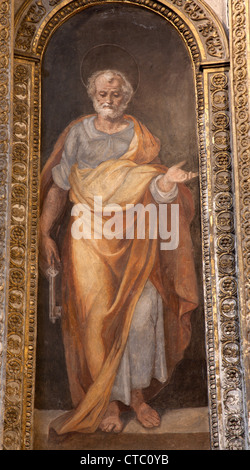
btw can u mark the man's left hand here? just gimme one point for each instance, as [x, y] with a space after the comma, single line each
[175, 174]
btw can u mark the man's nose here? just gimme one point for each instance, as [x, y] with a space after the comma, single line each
[109, 99]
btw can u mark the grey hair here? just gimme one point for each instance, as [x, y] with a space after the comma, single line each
[110, 74]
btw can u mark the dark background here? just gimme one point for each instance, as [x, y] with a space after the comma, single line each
[165, 103]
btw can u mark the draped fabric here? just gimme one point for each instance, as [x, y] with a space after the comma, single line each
[102, 279]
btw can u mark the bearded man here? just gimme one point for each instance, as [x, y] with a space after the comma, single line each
[126, 305]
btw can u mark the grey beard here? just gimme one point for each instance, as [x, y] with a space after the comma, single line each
[114, 113]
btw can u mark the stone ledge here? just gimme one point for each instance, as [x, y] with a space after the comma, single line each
[184, 420]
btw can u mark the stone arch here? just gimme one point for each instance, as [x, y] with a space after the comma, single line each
[194, 20]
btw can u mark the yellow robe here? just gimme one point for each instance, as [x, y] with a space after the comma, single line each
[103, 279]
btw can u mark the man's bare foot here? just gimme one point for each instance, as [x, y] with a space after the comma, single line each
[111, 421]
[148, 417]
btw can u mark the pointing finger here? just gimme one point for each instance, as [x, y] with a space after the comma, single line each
[193, 175]
[180, 164]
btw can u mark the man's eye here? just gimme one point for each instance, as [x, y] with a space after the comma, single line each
[102, 93]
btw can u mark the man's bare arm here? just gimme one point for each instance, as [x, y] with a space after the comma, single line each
[53, 207]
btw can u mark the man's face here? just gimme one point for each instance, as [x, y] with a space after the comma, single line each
[109, 97]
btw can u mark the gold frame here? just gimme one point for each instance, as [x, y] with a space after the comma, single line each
[221, 78]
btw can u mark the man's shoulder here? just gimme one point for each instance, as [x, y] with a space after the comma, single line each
[77, 123]
[77, 126]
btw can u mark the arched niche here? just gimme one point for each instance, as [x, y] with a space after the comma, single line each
[207, 45]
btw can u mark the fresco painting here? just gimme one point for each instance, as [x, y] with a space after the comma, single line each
[120, 309]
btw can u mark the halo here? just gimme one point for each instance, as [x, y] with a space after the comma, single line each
[112, 57]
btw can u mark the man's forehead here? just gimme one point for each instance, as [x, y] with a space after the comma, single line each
[109, 81]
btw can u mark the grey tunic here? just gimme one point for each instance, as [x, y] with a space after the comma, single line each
[88, 147]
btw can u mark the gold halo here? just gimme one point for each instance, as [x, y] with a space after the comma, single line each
[112, 57]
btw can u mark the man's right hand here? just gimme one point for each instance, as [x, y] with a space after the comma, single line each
[49, 252]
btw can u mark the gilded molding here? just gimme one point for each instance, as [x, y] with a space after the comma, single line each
[6, 20]
[197, 15]
[18, 259]
[240, 78]
[231, 377]
[21, 329]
